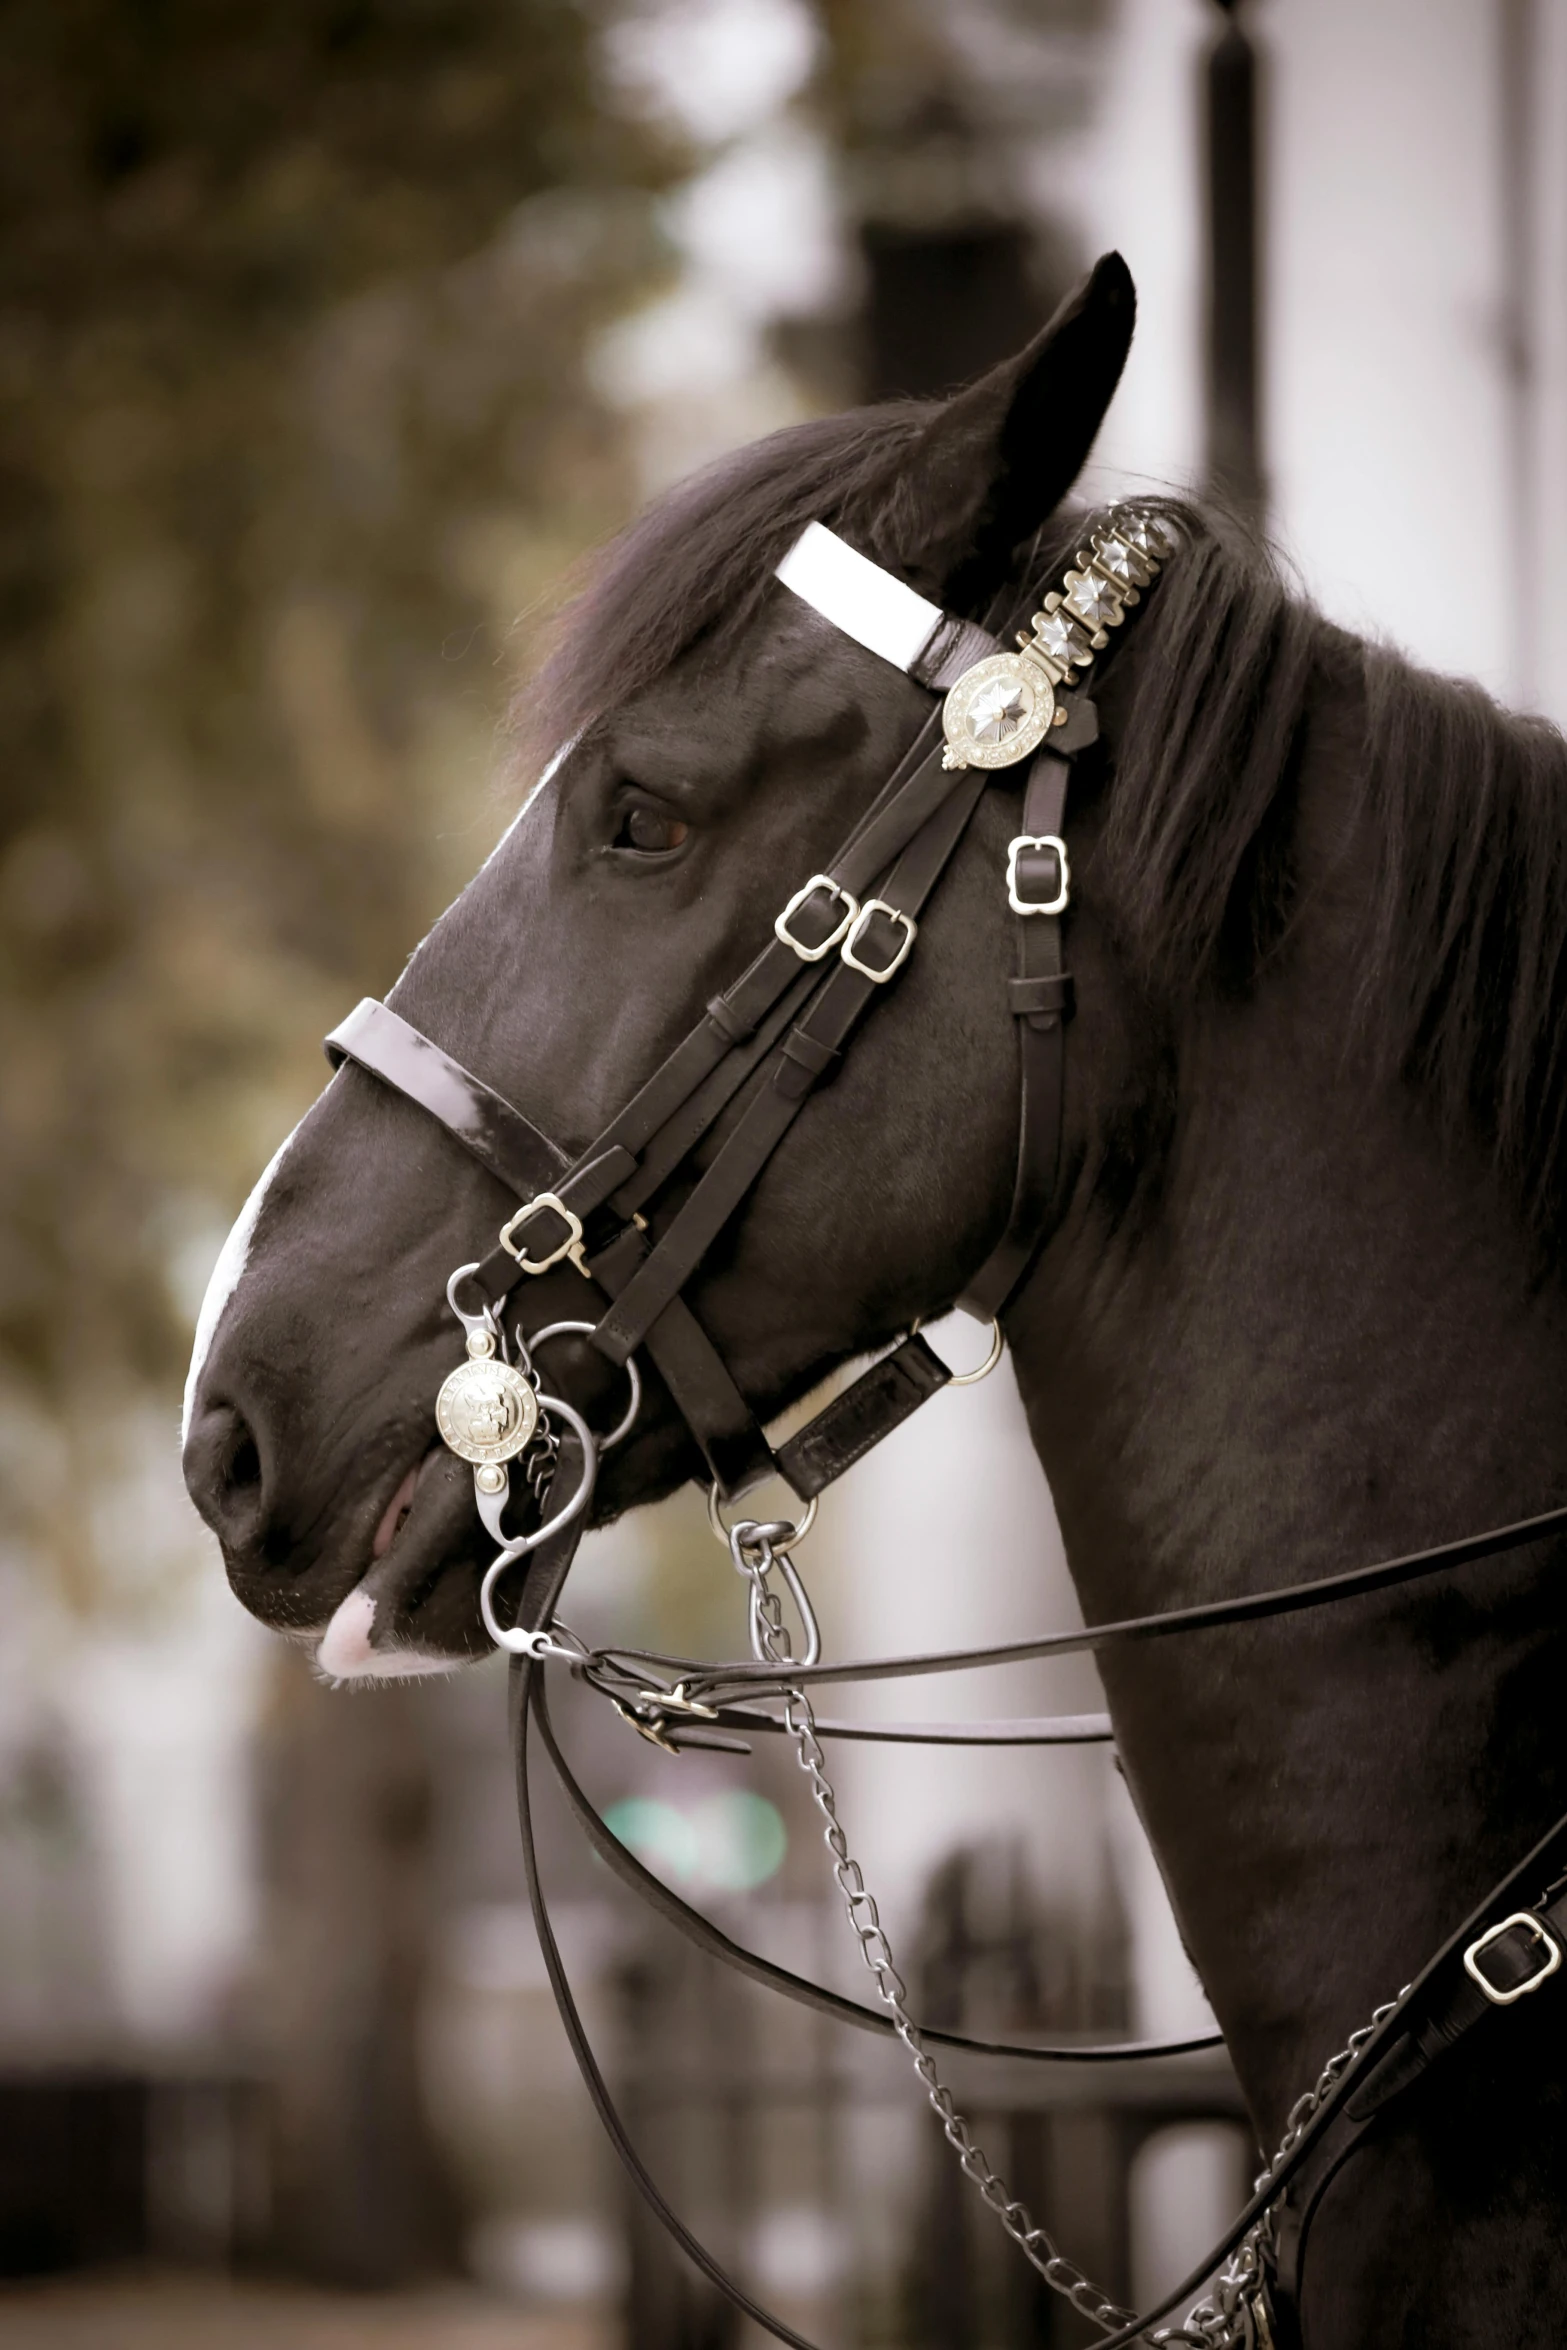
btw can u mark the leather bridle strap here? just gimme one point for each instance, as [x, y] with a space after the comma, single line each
[918, 788]
[811, 1051]
[1040, 1001]
[1424, 2012]
[738, 1455]
[1248, 1607]
[541, 1589]
[379, 1041]
[706, 1936]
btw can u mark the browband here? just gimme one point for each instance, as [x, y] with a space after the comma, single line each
[880, 612]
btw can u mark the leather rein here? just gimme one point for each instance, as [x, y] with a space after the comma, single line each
[786, 1021]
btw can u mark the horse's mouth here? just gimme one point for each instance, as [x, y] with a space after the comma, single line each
[414, 1610]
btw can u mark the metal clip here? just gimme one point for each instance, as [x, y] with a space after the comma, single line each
[650, 1723]
[652, 1731]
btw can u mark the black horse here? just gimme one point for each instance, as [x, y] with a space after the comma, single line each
[1301, 1302]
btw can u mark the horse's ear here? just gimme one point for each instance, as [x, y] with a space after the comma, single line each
[1000, 456]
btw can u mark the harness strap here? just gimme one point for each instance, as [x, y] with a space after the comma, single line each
[381, 1042]
[1508, 1963]
[706, 1936]
[1040, 1000]
[846, 1429]
[1426, 2010]
[1431, 1988]
[498, 1136]
[541, 1589]
[810, 1051]
[1031, 1730]
[1246, 1607]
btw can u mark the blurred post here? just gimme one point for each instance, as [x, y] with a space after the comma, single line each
[1519, 63]
[1231, 141]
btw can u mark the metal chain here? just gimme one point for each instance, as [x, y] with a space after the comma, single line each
[1233, 2317]
[1234, 2314]
[753, 1556]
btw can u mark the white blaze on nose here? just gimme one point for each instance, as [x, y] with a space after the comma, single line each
[225, 1278]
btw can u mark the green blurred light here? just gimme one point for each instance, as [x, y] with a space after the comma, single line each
[741, 1840]
[662, 1838]
[729, 1843]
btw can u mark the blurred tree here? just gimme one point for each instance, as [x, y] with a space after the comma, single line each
[293, 311]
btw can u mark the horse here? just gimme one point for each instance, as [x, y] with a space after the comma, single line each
[1298, 1299]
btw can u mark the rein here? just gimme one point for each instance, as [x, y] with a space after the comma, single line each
[785, 1023]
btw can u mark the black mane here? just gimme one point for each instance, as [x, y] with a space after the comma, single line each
[1463, 956]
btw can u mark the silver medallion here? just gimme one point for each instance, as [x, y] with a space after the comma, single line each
[998, 712]
[486, 1411]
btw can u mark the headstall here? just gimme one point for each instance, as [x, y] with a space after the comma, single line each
[843, 935]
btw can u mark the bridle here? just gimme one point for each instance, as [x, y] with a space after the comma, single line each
[785, 1023]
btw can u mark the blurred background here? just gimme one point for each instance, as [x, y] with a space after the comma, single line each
[332, 334]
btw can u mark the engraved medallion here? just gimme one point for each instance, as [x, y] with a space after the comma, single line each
[998, 712]
[486, 1411]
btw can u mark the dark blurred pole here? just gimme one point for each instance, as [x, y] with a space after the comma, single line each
[1234, 304]
[943, 304]
[1517, 25]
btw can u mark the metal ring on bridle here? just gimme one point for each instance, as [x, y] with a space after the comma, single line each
[973, 1378]
[781, 1544]
[623, 1426]
[514, 1638]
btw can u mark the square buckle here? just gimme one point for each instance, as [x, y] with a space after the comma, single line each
[857, 930]
[1550, 1948]
[803, 897]
[571, 1246]
[1039, 840]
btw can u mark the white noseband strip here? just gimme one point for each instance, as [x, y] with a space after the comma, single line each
[856, 595]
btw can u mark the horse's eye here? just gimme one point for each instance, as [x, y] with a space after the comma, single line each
[649, 831]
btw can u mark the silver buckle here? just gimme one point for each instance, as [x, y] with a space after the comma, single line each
[1547, 1940]
[857, 930]
[571, 1246]
[1039, 840]
[803, 897]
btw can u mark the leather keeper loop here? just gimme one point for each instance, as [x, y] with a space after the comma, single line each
[728, 1022]
[1051, 994]
[805, 1062]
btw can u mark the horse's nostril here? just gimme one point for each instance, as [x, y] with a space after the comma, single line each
[244, 1466]
[224, 1473]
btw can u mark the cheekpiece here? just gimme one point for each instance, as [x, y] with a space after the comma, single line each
[1002, 709]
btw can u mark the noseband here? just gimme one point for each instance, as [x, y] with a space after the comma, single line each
[843, 936]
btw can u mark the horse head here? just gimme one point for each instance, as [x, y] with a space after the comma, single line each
[719, 737]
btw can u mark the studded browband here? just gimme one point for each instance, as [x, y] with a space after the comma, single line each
[843, 936]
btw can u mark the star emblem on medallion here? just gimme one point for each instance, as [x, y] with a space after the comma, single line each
[999, 709]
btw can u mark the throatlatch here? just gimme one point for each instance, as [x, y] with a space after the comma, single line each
[841, 937]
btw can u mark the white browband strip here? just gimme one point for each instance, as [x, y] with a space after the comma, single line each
[856, 595]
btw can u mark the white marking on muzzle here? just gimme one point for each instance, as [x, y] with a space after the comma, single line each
[345, 1653]
[225, 1279]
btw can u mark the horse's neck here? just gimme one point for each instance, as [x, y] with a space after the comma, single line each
[1325, 1348]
